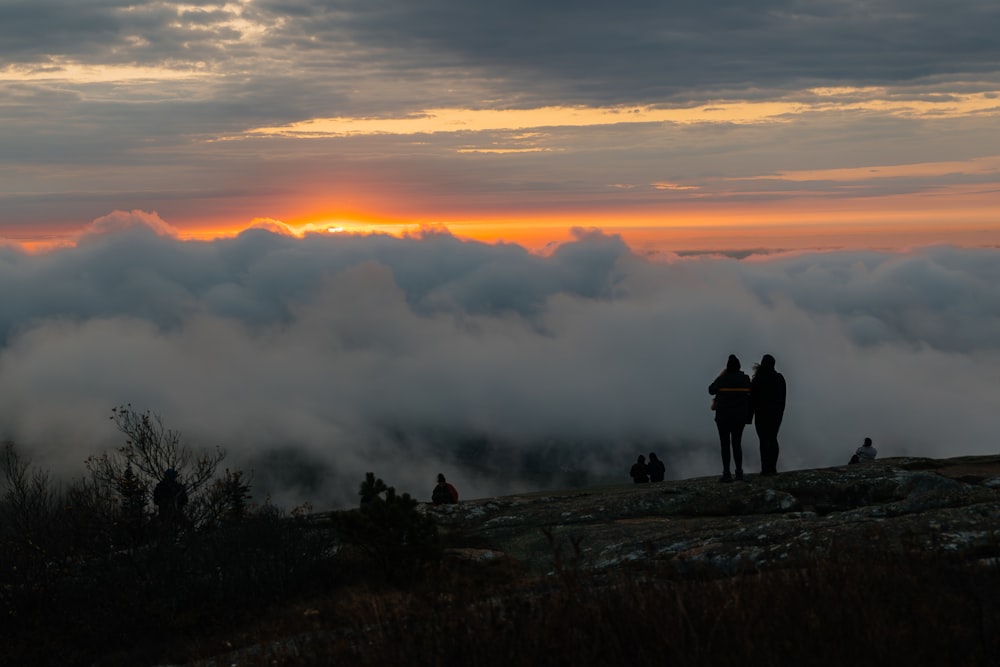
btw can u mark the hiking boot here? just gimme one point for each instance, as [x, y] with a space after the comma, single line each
[726, 478]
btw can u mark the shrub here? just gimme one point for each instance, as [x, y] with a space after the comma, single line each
[389, 531]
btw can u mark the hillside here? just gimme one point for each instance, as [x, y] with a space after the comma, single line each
[897, 561]
[950, 507]
[844, 565]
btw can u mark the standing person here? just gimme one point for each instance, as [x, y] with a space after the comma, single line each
[170, 497]
[444, 493]
[639, 470]
[767, 402]
[865, 453]
[732, 413]
[655, 468]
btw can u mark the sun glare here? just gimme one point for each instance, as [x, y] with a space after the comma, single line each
[352, 225]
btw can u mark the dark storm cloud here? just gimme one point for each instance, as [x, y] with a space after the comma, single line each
[591, 52]
[339, 354]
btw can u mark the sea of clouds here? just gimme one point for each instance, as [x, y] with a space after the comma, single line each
[314, 360]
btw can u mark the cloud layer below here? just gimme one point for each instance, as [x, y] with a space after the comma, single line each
[315, 360]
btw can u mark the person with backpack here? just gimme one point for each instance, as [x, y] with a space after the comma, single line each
[731, 390]
[444, 493]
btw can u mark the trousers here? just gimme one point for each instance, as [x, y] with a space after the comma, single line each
[731, 440]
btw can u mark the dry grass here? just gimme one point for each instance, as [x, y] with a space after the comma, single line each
[922, 611]
[889, 606]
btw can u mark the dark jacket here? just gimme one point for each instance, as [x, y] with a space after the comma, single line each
[170, 497]
[732, 397]
[767, 394]
[656, 469]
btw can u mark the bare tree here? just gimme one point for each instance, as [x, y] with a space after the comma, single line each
[150, 449]
[29, 496]
[29, 523]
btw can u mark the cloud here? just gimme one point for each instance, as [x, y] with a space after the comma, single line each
[314, 360]
[587, 51]
[118, 221]
[131, 105]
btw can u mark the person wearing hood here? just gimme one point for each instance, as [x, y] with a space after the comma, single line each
[731, 390]
[767, 402]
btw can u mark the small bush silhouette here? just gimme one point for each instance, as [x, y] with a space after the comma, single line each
[389, 531]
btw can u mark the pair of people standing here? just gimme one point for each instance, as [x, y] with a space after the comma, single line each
[643, 472]
[740, 400]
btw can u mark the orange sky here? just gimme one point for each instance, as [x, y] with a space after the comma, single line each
[960, 218]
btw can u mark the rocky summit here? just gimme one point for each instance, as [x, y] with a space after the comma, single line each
[789, 566]
[886, 508]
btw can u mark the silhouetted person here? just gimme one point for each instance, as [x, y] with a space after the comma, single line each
[639, 472]
[865, 453]
[655, 468]
[170, 497]
[732, 413]
[444, 493]
[767, 402]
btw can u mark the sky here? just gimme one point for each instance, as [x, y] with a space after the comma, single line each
[678, 124]
[490, 238]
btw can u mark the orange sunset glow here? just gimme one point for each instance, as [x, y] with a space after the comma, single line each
[962, 217]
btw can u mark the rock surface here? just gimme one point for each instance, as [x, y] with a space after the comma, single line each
[882, 509]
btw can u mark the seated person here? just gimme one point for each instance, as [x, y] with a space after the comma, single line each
[444, 492]
[865, 453]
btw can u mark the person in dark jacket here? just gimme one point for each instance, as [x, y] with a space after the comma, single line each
[732, 413]
[170, 497]
[767, 401]
[639, 471]
[444, 493]
[655, 468]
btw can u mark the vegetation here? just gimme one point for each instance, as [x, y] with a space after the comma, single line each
[916, 612]
[388, 532]
[89, 576]
[89, 571]
[150, 449]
